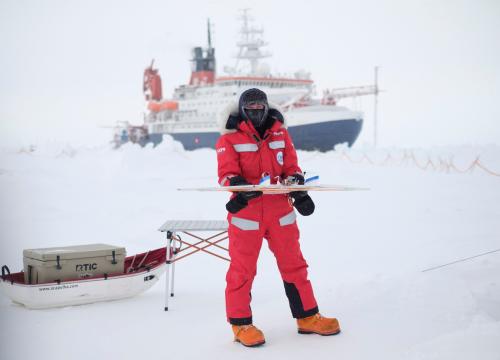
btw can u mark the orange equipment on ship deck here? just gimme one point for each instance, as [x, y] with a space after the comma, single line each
[156, 106]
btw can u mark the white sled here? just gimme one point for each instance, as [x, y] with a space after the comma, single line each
[141, 272]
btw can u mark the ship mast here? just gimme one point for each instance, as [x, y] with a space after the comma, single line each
[209, 34]
[250, 43]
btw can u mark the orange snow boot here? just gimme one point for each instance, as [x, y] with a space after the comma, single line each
[248, 335]
[317, 324]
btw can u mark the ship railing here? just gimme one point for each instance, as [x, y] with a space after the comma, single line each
[190, 125]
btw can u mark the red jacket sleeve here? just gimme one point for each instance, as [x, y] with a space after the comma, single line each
[228, 164]
[290, 162]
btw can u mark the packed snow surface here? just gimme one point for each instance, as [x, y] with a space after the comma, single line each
[367, 251]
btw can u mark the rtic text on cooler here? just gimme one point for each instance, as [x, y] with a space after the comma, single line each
[86, 267]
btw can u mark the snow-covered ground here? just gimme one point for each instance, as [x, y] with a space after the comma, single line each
[366, 252]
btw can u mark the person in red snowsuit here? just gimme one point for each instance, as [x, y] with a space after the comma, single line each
[255, 143]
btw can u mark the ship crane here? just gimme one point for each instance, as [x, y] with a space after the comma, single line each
[151, 85]
[297, 101]
[331, 96]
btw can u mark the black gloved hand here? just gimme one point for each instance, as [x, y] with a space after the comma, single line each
[302, 201]
[240, 180]
[297, 179]
[240, 201]
[236, 204]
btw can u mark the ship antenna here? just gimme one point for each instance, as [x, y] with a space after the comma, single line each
[375, 108]
[209, 34]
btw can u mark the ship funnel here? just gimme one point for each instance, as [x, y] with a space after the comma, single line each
[203, 66]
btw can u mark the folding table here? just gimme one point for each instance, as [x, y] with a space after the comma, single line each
[174, 247]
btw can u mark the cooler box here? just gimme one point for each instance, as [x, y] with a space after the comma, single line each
[72, 262]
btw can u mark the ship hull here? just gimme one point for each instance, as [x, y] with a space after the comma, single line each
[323, 136]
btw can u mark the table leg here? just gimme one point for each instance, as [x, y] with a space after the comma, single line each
[167, 271]
[173, 268]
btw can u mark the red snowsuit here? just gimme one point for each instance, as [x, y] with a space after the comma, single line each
[244, 153]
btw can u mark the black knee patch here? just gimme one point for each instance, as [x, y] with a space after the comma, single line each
[296, 306]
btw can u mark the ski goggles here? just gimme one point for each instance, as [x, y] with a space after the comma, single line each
[255, 106]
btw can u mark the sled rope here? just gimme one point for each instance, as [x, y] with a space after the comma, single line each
[142, 261]
[461, 260]
[131, 264]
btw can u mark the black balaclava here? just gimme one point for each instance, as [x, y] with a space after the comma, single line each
[253, 106]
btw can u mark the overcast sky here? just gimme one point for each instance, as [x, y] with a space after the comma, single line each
[67, 67]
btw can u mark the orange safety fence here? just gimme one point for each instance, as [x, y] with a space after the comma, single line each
[446, 165]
